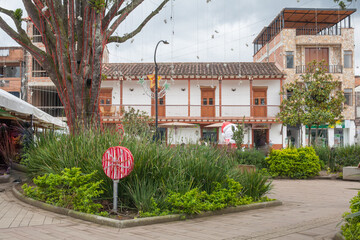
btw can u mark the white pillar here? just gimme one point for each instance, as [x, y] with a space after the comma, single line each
[303, 135]
[284, 134]
[352, 132]
[331, 136]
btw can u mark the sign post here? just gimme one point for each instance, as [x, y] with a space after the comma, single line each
[117, 162]
[115, 195]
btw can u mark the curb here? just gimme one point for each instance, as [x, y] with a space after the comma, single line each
[19, 167]
[139, 221]
[339, 236]
[5, 178]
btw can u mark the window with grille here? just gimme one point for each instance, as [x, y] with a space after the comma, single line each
[348, 59]
[348, 96]
[37, 70]
[36, 35]
[289, 59]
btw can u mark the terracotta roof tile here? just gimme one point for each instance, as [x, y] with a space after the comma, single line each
[192, 68]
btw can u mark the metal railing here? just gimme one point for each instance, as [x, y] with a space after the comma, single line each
[332, 31]
[329, 68]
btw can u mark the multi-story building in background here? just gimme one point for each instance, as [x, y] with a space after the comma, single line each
[41, 90]
[298, 36]
[12, 67]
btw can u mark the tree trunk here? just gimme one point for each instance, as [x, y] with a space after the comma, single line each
[309, 136]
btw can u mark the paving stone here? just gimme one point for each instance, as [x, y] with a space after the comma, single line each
[311, 210]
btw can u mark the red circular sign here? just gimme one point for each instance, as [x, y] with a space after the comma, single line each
[117, 162]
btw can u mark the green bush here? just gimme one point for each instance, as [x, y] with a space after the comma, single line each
[70, 189]
[195, 201]
[294, 163]
[347, 156]
[251, 157]
[255, 184]
[351, 229]
[338, 157]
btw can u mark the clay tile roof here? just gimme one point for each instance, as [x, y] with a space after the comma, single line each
[190, 68]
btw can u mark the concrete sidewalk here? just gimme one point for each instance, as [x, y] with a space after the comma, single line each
[311, 210]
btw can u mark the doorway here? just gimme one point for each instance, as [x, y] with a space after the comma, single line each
[161, 107]
[260, 138]
[259, 102]
[317, 54]
[207, 102]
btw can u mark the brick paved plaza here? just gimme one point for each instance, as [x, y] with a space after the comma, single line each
[311, 210]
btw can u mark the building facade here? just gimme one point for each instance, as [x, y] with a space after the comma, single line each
[196, 98]
[12, 71]
[201, 94]
[297, 37]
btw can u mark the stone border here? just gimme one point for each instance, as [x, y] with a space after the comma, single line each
[19, 167]
[139, 221]
[339, 236]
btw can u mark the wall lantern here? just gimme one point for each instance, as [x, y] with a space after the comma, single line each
[233, 89]
[131, 89]
[183, 89]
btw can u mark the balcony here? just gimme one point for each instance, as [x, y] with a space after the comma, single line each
[331, 69]
[194, 113]
[112, 113]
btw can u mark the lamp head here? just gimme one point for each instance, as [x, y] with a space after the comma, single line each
[166, 42]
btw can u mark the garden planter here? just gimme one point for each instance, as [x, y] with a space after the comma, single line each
[4, 178]
[247, 168]
[351, 173]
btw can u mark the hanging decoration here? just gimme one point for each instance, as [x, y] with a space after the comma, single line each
[149, 85]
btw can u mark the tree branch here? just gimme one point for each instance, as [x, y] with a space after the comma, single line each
[111, 14]
[137, 30]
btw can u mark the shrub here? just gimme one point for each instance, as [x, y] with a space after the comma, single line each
[347, 156]
[294, 163]
[255, 184]
[338, 157]
[70, 189]
[351, 229]
[251, 157]
[196, 201]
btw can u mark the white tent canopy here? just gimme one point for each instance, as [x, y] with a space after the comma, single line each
[24, 110]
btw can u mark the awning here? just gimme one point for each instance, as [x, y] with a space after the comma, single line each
[214, 125]
[176, 124]
[23, 110]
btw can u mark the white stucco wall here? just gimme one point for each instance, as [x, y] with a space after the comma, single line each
[274, 134]
[176, 99]
[273, 97]
[137, 98]
[239, 97]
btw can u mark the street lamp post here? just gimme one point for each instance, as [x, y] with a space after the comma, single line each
[156, 89]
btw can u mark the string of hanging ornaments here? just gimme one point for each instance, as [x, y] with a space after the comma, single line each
[148, 81]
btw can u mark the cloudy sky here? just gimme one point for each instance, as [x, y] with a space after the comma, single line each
[201, 30]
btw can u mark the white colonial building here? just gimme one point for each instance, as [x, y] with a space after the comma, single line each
[196, 98]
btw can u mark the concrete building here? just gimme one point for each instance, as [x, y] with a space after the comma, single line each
[298, 36]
